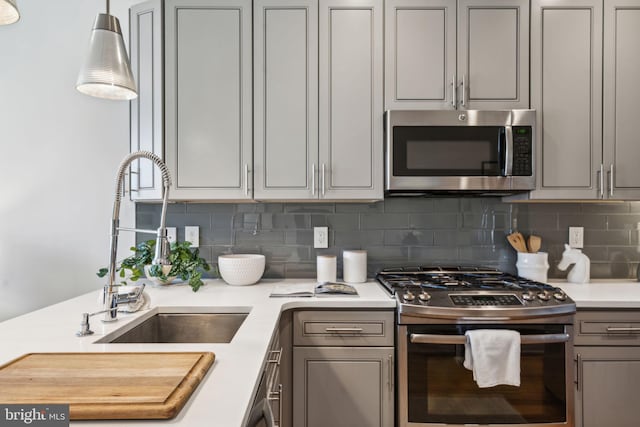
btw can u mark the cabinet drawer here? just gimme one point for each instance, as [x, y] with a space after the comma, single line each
[340, 328]
[608, 327]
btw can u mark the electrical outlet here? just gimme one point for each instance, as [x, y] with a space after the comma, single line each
[320, 237]
[576, 237]
[192, 234]
[172, 234]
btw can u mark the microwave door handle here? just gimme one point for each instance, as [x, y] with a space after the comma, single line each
[508, 152]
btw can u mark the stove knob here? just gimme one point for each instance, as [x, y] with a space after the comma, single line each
[408, 296]
[424, 297]
[560, 295]
[529, 296]
[544, 295]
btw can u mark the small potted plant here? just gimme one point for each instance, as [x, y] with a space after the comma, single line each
[186, 264]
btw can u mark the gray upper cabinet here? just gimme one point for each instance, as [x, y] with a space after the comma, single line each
[583, 87]
[621, 147]
[318, 104]
[469, 55]
[566, 91]
[286, 99]
[208, 98]
[146, 126]
[351, 104]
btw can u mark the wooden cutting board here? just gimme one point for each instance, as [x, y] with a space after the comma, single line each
[101, 386]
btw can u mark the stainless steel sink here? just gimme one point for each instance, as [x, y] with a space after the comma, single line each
[182, 328]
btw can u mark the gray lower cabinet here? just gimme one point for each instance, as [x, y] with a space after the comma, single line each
[582, 86]
[607, 354]
[343, 369]
[318, 105]
[467, 54]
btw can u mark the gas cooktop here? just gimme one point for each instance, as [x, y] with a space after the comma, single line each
[463, 291]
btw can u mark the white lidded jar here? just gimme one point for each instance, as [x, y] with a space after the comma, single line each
[354, 266]
[327, 266]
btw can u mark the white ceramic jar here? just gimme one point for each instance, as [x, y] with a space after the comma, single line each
[354, 266]
[533, 266]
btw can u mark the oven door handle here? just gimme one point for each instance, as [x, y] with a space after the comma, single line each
[461, 339]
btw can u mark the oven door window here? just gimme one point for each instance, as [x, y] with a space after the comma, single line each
[448, 150]
[442, 391]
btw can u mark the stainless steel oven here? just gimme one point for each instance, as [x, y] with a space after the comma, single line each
[435, 388]
[437, 306]
[471, 151]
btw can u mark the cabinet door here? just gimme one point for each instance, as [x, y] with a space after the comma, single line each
[351, 108]
[286, 99]
[607, 386]
[420, 60]
[493, 54]
[566, 91]
[343, 386]
[208, 98]
[146, 127]
[621, 92]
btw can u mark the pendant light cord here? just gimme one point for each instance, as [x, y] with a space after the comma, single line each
[108, 7]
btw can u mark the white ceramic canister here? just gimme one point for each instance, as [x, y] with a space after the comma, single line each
[326, 268]
[533, 266]
[354, 266]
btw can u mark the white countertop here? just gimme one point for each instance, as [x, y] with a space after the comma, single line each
[224, 396]
[603, 293]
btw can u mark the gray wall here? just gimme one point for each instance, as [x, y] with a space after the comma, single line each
[413, 231]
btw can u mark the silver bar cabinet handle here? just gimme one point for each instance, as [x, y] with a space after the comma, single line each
[601, 180]
[454, 97]
[460, 339]
[246, 179]
[390, 372]
[622, 329]
[313, 179]
[463, 102]
[344, 330]
[611, 180]
[578, 370]
[322, 181]
[276, 359]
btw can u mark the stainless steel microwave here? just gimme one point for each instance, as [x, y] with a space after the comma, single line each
[475, 152]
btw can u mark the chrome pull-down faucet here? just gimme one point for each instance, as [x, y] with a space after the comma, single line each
[110, 295]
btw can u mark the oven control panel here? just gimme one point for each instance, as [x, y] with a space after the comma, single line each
[485, 300]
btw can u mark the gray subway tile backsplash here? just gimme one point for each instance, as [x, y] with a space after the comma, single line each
[408, 231]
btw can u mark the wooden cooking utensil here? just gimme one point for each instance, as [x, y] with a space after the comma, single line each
[517, 241]
[534, 243]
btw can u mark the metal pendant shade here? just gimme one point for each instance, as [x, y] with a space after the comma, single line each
[8, 12]
[106, 72]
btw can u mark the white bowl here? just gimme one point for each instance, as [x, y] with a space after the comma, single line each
[241, 269]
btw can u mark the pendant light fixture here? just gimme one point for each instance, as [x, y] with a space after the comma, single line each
[8, 12]
[106, 72]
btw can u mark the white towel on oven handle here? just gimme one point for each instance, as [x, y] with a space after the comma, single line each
[494, 356]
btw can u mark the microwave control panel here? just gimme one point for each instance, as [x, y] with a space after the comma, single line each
[522, 151]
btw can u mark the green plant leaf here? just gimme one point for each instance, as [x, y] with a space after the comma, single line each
[186, 263]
